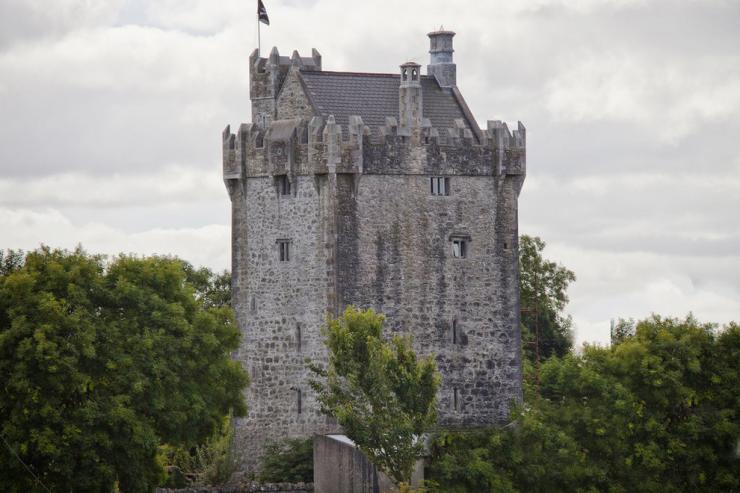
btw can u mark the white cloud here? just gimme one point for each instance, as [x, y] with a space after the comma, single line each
[635, 285]
[170, 185]
[669, 100]
[28, 228]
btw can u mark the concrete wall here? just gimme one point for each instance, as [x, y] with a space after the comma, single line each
[339, 467]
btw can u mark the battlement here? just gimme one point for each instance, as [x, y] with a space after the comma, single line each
[301, 147]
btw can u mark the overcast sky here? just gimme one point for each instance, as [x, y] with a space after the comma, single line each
[111, 113]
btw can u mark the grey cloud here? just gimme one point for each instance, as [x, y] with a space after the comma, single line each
[630, 108]
[26, 20]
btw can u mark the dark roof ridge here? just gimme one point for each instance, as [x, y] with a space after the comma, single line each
[342, 72]
[363, 74]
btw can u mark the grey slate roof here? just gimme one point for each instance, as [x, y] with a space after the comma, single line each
[375, 96]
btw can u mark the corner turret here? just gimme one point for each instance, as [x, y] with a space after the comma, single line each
[267, 76]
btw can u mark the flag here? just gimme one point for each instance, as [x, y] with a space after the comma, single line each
[262, 13]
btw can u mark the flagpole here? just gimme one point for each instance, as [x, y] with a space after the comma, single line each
[259, 39]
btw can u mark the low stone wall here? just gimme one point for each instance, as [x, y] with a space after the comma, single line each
[247, 488]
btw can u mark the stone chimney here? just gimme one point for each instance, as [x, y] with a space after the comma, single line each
[410, 104]
[441, 65]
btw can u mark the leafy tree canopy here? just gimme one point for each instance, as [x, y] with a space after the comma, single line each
[101, 362]
[546, 331]
[658, 412]
[382, 395]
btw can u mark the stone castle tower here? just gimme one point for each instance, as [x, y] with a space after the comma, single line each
[376, 190]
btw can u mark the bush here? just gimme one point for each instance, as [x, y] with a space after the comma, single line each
[289, 460]
[209, 464]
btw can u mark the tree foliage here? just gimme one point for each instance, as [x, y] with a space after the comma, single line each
[289, 460]
[656, 413]
[210, 463]
[101, 362]
[546, 331]
[382, 395]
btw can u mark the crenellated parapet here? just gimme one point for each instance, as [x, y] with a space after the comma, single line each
[313, 147]
[510, 148]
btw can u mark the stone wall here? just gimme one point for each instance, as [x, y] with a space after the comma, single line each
[246, 488]
[280, 310]
[292, 101]
[398, 255]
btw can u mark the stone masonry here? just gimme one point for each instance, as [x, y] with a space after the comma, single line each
[377, 190]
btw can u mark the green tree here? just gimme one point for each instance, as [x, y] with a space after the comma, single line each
[382, 395]
[656, 413]
[546, 331]
[102, 362]
[213, 289]
[10, 261]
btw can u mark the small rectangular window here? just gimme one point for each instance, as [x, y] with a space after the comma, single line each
[455, 403]
[298, 336]
[440, 185]
[299, 403]
[284, 250]
[459, 248]
[454, 332]
[283, 185]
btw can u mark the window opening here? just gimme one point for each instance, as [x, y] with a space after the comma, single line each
[455, 403]
[299, 404]
[283, 185]
[298, 336]
[454, 331]
[459, 248]
[284, 250]
[440, 185]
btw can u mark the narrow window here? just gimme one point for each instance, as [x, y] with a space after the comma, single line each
[459, 248]
[440, 185]
[284, 250]
[455, 403]
[454, 331]
[253, 304]
[298, 336]
[299, 404]
[283, 185]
